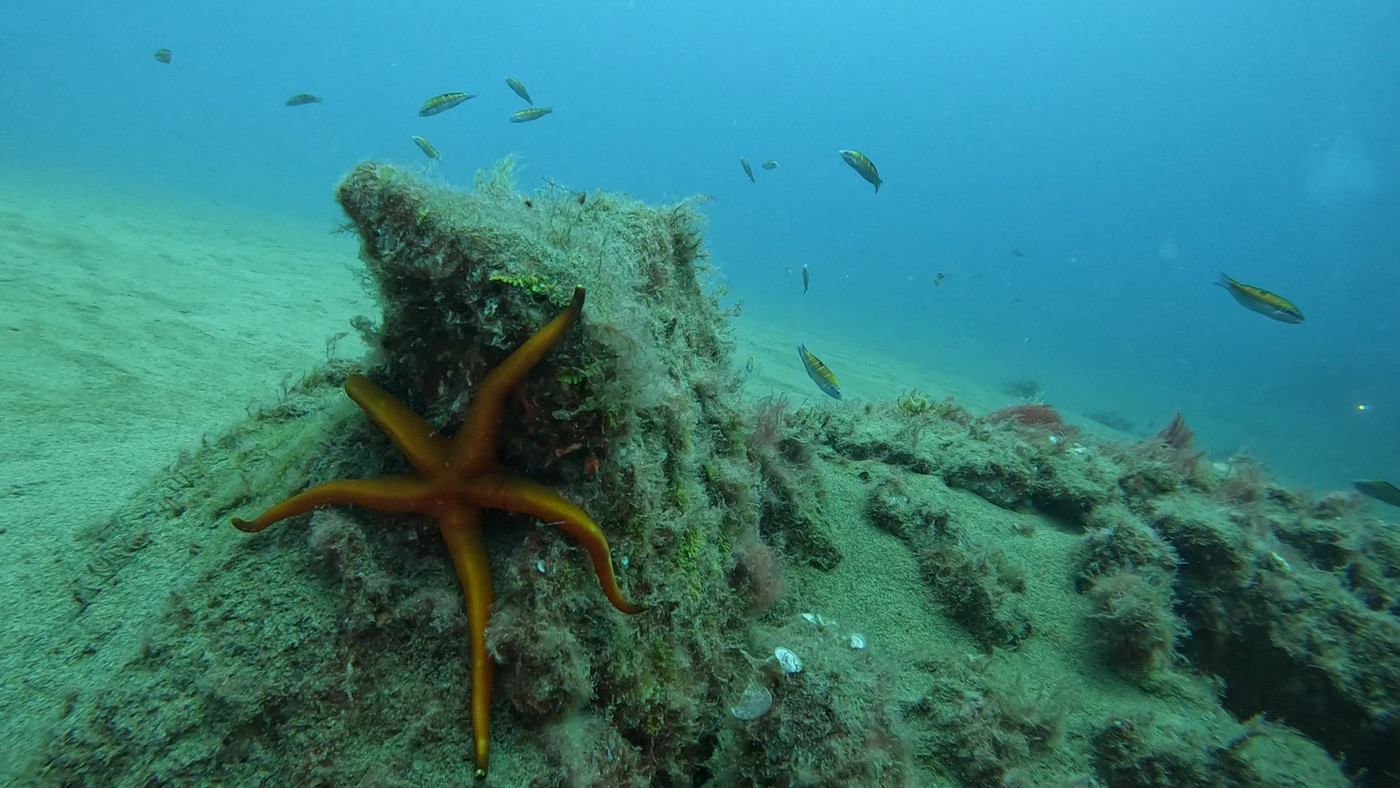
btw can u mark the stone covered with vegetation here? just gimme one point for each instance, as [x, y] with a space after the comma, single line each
[1058, 610]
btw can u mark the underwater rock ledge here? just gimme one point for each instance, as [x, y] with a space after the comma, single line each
[331, 648]
[1021, 604]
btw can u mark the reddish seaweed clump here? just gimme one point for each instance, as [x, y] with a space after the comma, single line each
[1033, 415]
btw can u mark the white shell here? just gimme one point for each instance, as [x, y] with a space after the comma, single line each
[539, 565]
[791, 662]
[857, 640]
[754, 703]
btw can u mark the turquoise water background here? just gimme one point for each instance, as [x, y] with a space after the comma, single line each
[1131, 151]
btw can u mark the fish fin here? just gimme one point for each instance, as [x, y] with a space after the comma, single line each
[1224, 281]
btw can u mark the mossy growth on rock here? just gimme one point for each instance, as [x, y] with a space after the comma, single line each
[972, 578]
[331, 649]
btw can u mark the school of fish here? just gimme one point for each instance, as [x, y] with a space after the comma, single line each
[1251, 297]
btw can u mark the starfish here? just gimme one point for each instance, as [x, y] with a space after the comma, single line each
[456, 479]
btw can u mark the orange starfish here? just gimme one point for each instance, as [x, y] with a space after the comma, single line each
[456, 479]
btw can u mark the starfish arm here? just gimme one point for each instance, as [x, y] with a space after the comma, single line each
[389, 494]
[461, 530]
[414, 436]
[524, 496]
[474, 447]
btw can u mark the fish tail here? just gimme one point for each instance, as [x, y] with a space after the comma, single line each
[1224, 281]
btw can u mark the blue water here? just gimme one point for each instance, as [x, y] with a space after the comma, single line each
[1132, 151]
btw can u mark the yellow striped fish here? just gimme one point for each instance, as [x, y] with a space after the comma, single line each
[1257, 299]
[527, 115]
[818, 372]
[443, 103]
[427, 148]
[862, 165]
[1385, 492]
[519, 88]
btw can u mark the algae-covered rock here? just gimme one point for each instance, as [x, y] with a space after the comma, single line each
[335, 652]
[959, 589]
[331, 649]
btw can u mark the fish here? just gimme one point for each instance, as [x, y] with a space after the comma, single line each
[770, 165]
[789, 270]
[163, 55]
[747, 169]
[818, 372]
[806, 278]
[862, 165]
[302, 99]
[527, 115]
[427, 148]
[1257, 299]
[748, 367]
[939, 278]
[515, 85]
[1017, 252]
[1385, 492]
[442, 103]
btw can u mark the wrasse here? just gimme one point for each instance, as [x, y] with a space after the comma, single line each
[743, 162]
[1257, 299]
[427, 148]
[818, 372]
[519, 88]
[527, 115]
[862, 165]
[163, 55]
[302, 99]
[442, 103]
[1385, 492]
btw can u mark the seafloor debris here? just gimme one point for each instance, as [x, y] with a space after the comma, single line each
[787, 660]
[754, 703]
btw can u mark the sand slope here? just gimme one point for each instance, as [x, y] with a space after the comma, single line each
[130, 327]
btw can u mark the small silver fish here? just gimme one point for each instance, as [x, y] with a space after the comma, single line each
[818, 372]
[515, 85]
[747, 169]
[527, 115]
[1382, 491]
[427, 148]
[1257, 299]
[862, 165]
[442, 103]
